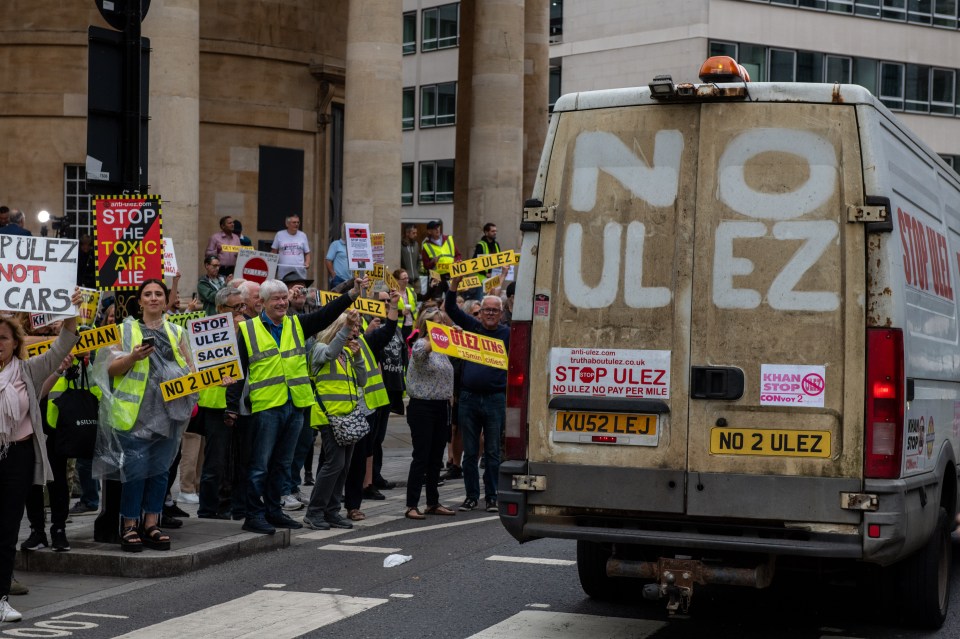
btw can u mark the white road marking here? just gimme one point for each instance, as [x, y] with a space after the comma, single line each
[376, 520]
[255, 615]
[538, 605]
[420, 529]
[532, 560]
[376, 549]
[401, 595]
[321, 534]
[331, 589]
[274, 585]
[562, 625]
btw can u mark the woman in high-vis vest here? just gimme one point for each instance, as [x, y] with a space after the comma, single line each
[408, 297]
[139, 431]
[336, 366]
[23, 457]
[430, 387]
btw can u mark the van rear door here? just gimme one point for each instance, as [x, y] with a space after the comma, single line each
[700, 289]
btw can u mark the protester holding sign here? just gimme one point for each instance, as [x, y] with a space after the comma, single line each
[23, 456]
[430, 387]
[483, 401]
[139, 433]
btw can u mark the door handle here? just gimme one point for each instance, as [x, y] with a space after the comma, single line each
[716, 382]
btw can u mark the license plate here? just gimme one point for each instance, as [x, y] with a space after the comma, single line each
[628, 429]
[770, 442]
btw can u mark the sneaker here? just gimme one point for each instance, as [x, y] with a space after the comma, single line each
[190, 498]
[371, 492]
[17, 588]
[284, 521]
[258, 525]
[302, 497]
[167, 521]
[36, 541]
[492, 506]
[383, 484]
[454, 472]
[468, 504]
[289, 502]
[8, 612]
[316, 524]
[175, 511]
[59, 538]
[81, 508]
[338, 521]
[308, 479]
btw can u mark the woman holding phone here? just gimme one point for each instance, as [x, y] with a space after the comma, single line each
[139, 431]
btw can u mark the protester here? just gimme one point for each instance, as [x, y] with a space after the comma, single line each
[338, 268]
[439, 250]
[211, 282]
[408, 297]
[430, 387]
[293, 247]
[139, 432]
[227, 260]
[410, 260]
[15, 227]
[238, 229]
[271, 349]
[23, 456]
[86, 263]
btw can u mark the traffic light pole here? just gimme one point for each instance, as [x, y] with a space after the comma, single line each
[130, 169]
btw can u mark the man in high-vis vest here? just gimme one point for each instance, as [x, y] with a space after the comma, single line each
[276, 389]
[438, 250]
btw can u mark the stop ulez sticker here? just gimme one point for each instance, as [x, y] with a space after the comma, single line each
[255, 270]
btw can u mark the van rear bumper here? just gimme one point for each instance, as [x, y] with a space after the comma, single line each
[570, 508]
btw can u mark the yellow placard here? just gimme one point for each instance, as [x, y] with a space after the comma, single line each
[89, 341]
[470, 347]
[482, 263]
[434, 275]
[771, 442]
[379, 272]
[87, 313]
[198, 381]
[470, 281]
[230, 248]
[392, 282]
[181, 319]
[362, 304]
[492, 282]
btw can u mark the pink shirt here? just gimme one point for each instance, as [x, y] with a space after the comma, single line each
[215, 247]
[24, 429]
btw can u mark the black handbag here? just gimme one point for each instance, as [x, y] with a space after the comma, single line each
[77, 419]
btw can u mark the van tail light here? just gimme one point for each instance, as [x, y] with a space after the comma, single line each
[885, 397]
[518, 391]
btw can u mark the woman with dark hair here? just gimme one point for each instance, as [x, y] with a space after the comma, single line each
[23, 455]
[140, 432]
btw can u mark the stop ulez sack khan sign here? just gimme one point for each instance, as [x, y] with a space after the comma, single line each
[467, 346]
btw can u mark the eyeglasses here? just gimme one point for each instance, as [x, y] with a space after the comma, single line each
[476, 313]
[236, 307]
[490, 311]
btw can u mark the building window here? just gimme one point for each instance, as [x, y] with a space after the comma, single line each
[891, 84]
[406, 184]
[441, 29]
[556, 74]
[945, 13]
[438, 104]
[77, 219]
[409, 108]
[920, 11]
[436, 182]
[809, 66]
[868, 8]
[556, 20]
[723, 48]
[916, 88]
[942, 83]
[409, 33]
[782, 65]
[840, 6]
[894, 10]
[837, 69]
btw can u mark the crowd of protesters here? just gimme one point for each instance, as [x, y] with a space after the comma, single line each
[246, 450]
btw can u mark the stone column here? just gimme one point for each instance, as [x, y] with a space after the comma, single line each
[536, 87]
[173, 27]
[372, 112]
[496, 134]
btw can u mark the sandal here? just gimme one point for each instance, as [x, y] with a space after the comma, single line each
[414, 513]
[355, 514]
[130, 540]
[156, 539]
[439, 509]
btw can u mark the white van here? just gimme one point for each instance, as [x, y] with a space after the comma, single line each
[735, 341]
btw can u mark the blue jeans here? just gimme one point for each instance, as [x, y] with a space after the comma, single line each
[89, 487]
[303, 446]
[146, 494]
[481, 413]
[274, 437]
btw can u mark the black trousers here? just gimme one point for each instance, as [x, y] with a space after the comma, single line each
[59, 492]
[16, 475]
[429, 421]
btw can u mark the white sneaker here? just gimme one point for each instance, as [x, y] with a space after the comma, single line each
[190, 498]
[303, 498]
[289, 502]
[7, 612]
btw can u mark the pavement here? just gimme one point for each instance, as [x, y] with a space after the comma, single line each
[95, 569]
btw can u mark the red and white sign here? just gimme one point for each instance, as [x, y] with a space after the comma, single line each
[256, 266]
[359, 247]
[598, 372]
[791, 385]
[170, 267]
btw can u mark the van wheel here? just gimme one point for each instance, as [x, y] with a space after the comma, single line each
[925, 578]
[592, 569]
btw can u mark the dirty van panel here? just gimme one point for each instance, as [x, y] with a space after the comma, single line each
[779, 279]
[614, 272]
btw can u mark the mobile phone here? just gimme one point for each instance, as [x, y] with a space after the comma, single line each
[148, 341]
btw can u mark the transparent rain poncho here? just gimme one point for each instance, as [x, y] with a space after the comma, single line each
[149, 446]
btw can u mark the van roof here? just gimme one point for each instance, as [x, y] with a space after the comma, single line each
[758, 92]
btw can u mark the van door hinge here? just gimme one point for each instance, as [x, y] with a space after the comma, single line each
[866, 213]
[529, 482]
[540, 214]
[859, 501]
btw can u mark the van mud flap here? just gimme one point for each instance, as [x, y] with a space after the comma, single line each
[675, 577]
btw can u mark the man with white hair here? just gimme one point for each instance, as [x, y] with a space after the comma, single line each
[276, 389]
